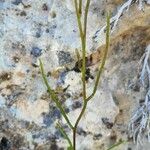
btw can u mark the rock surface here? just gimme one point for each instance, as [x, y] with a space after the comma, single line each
[47, 29]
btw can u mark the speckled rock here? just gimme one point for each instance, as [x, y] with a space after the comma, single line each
[47, 29]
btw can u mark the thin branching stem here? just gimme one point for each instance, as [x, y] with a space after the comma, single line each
[65, 135]
[80, 7]
[77, 122]
[53, 95]
[84, 49]
[85, 18]
[103, 61]
[78, 18]
[83, 42]
[82, 31]
[116, 145]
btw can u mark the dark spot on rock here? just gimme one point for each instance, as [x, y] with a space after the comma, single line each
[129, 148]
[61, 79]
[47, 30]
[91, 59]
[97, 136]
[49, 74]
[54, 26]
[33, 75]
[115, 100]
[35, 65]
[76, 104]
[53, 144]
[47, 120]
[3, 95]
[16, 59]
[86, 78]
[81, 132]
[95, 8]
[121, 111]
[51, 29]
[64, 57]
[136, 88]
[5, 76]
[94, 37]
[123, 132]
[45, 7]
[130, 138]
[4, 125]
[141, 102]
[36, 52]
[58, 134]
[65, 89]
[88, 74]
[17, 141]
[25, 124]
[54, 147]
[76, 68]
[38, 34]
[36, 136]
[26, 6]
[67, 110]
[4, 144]
[55, 112]
[107, 123]
[53, 14]
[103, 13]
[68, 95]
[20, 47]
[23, 13]
[17, 2]
[113, 137]
[28, 70]
[12, 97]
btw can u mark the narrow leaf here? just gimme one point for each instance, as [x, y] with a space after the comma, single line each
[116, 145]
[53, 95]
[65, 136]
[104, 59]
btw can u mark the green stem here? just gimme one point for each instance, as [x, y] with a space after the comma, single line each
[83, 42]
[116, 145]
[85, 18]
[81, 114]
[74, 139]
[77, 122]
[53, 95]
[78, 18]
[80, 7]
[82, 36]
[103, 61]
[64, 134]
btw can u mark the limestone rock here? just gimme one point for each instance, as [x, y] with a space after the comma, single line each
[47, 29]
